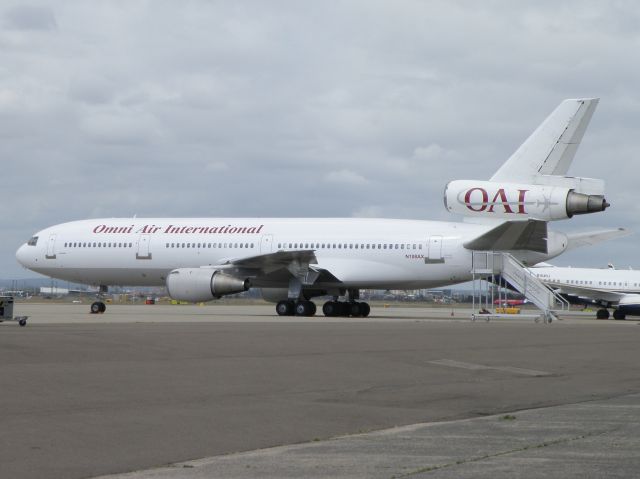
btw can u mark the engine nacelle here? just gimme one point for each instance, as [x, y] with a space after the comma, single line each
[200, 284]
[518, 201]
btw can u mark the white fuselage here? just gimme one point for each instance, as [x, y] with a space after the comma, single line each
[602, 280]
[360, 253]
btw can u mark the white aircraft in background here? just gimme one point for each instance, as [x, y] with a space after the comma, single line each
[294, 260]
[607, 288]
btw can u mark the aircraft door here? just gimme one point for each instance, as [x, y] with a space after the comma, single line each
[266, 244]
[434, 250]
[143, 247]
[51, 247]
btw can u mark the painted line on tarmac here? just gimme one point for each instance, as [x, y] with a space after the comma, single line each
[481, 367]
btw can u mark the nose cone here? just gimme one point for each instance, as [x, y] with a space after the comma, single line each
[22, 256]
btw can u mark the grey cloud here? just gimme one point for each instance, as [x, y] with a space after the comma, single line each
[350, 108]
[28, 17]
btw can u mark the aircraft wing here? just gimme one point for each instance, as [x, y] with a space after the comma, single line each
[588, 293]
[277, 260]
[301, 264]
[552, 146]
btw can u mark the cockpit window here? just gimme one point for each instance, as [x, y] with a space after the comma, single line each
[33, 241]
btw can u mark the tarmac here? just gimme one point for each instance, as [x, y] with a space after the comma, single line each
[234, 391]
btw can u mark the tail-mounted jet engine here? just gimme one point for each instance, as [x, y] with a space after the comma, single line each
[519, 201]
[203, 284]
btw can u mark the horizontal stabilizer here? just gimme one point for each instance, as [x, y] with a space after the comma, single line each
[589, 238]
[512, 235]
[552, 146]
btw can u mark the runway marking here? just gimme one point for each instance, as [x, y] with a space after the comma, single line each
[507, 369]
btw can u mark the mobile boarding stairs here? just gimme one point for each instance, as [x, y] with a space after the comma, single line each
[497, 267]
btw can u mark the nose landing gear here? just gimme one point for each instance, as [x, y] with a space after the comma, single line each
[98, 307]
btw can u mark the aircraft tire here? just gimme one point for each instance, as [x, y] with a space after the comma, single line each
[330, 308]
[355, 309]
[305, 308]
[366, 309]
[344, 309]
[95, 307]
[617, 314]
[602, 314]
[103, 307]
[285, 308]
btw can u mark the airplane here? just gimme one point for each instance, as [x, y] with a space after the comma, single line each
[296, 259]
[607, 288]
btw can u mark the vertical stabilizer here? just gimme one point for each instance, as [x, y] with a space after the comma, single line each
[551, 147]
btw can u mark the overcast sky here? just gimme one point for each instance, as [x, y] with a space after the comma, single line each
[291, 108]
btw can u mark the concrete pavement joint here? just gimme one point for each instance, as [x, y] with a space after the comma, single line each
[481, 367]
[541, 445]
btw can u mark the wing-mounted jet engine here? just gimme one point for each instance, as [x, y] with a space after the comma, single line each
[203, 284]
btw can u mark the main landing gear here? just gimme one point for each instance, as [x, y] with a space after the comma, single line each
[354, 309]
[603, 313]
[289, 307]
